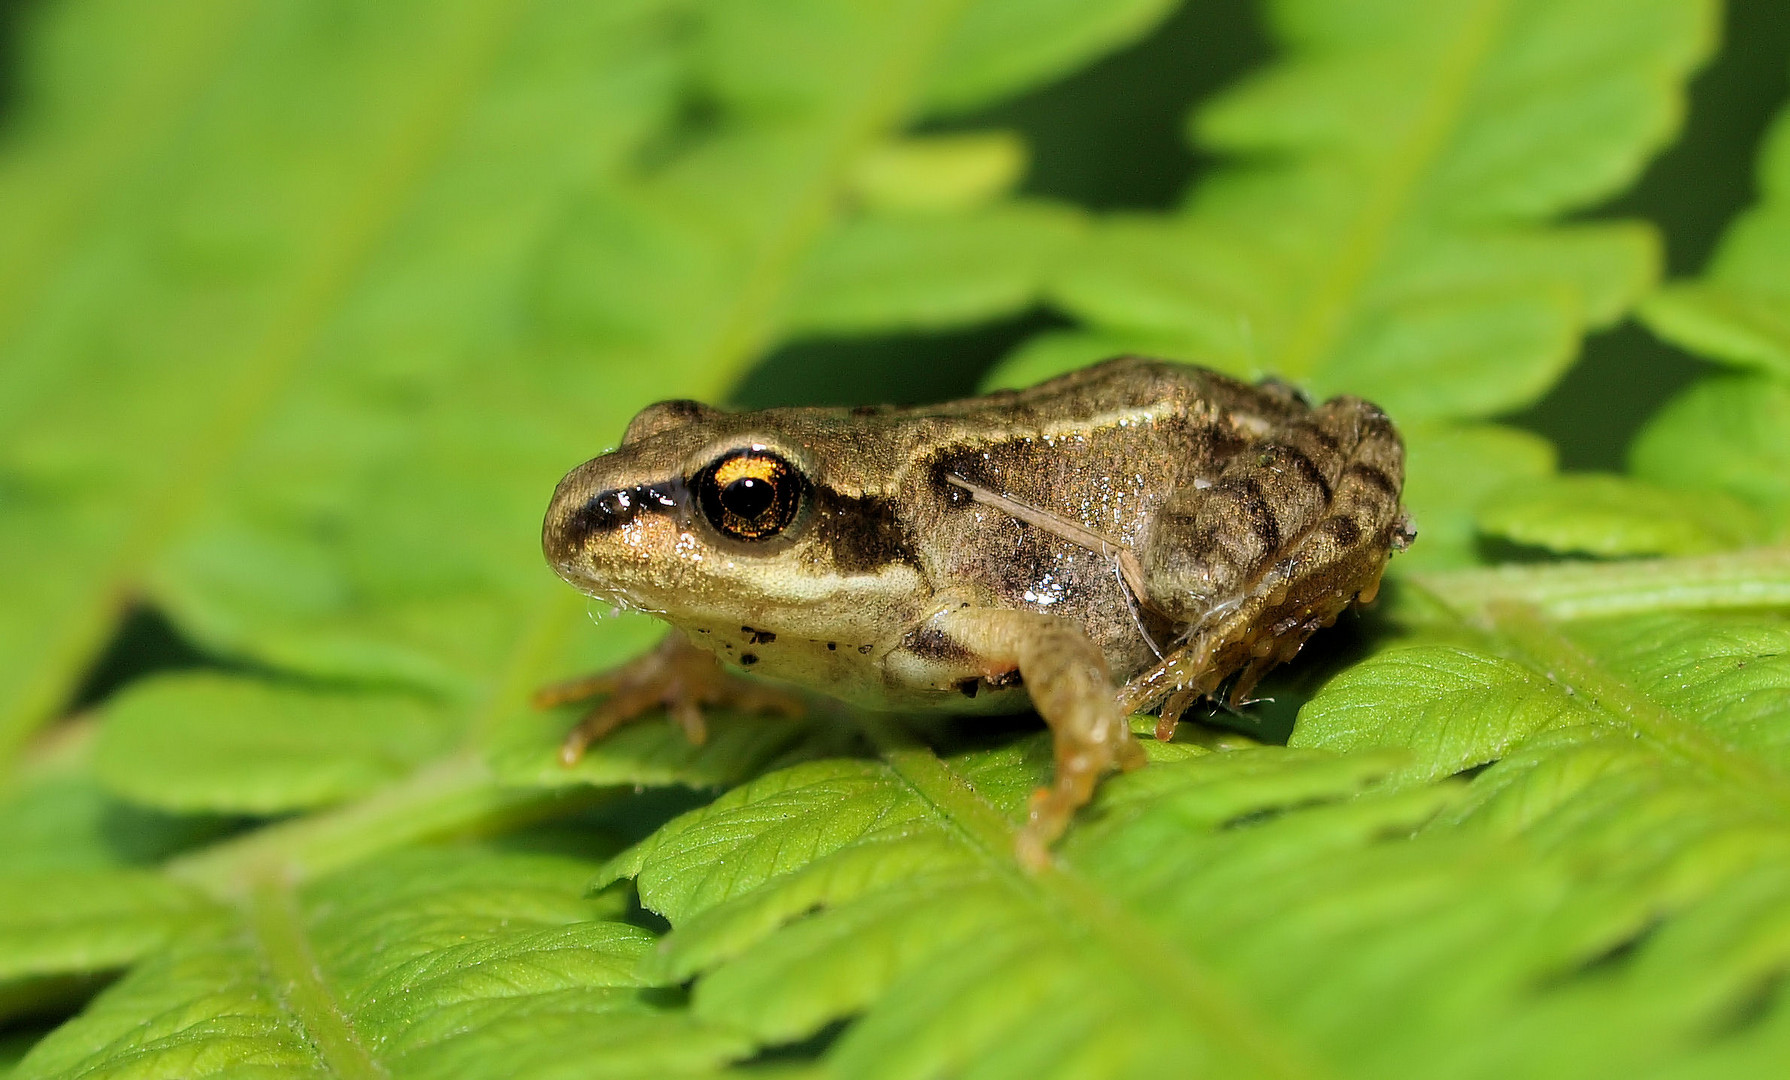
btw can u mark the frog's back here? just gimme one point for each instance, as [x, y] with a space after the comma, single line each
[1104, 448]
[1114, 449]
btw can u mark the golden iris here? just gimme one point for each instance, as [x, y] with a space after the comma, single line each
[749, 494]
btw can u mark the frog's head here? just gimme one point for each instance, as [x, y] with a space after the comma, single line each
[708, 517]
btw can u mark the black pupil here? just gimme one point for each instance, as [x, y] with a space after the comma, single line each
[748, 497]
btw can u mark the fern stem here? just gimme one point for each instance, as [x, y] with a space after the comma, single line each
[1066, 899]
[293, 972]
[1757, 578]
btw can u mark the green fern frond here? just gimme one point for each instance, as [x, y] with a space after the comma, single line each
[222, 744]
[301, 311]
[1731, 433]
[1637, 806]
[468, 271]
[430, 965]
[1600, 514]
[1385, 225]
[1382, 224]
[1450, 470]
[1715, 462]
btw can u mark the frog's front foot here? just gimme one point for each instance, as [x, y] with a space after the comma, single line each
[1071, 687]
[677, 677]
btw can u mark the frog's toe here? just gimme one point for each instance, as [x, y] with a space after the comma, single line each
[677, 679]
[1047, 819]
[688, 714]
[626, 705]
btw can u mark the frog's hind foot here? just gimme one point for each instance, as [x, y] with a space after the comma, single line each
[676, 677]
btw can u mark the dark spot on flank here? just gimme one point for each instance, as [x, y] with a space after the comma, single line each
[969, 687]
[864, 650]
[757, 637]
[748, 659]
[933, 644]
[1005, 680]
[832, 646]
[1345, 531]
[1374, 477]
[862, 534]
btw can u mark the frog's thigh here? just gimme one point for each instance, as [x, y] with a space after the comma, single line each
[1070, 686]
[1291, 534]
[1337, 474]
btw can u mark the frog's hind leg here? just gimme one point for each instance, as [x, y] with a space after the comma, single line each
[1070, 686]
[1291, 534]
[677, 677]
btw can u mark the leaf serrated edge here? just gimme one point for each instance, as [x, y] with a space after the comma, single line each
[1095, 918]
[1557, 657]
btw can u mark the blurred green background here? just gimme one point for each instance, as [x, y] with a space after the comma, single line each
[1112, 137]
[306, 304]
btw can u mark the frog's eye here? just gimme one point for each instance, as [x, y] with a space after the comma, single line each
[750, 494]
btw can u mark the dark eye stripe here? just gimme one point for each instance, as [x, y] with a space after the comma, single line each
[609, 510]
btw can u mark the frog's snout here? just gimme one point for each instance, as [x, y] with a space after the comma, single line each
[592, 514]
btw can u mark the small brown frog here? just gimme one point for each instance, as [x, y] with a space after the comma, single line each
[1128, 536]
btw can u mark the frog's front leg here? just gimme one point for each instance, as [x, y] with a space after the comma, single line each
[1071, 687]
[677, 677]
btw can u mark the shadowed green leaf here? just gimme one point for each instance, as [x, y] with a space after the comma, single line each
[1004, 45]
[1739, 310]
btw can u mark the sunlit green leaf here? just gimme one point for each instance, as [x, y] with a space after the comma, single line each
[1600, 514]
[1729, 434]
[1450, 469]
[426, 966]
[91, 921]
[940, 173]
[237, 745]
